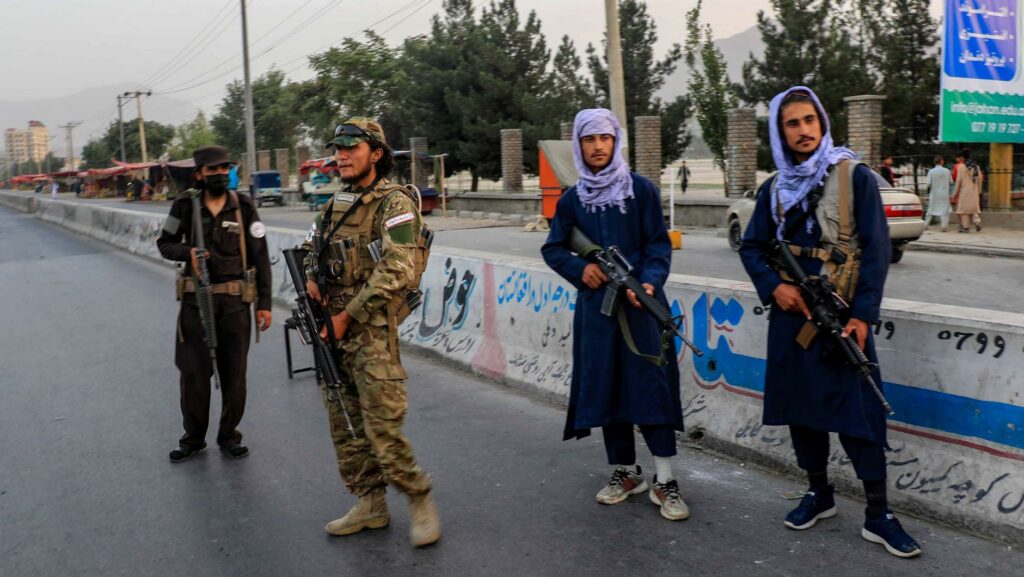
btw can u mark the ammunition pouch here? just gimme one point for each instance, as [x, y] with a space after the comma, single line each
[249, 292]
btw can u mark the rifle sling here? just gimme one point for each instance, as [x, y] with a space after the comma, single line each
[627, 335]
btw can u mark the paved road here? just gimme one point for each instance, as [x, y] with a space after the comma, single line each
[953, 279]
[88, 411]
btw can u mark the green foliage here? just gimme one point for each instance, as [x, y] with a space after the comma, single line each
[509, 64]
[709, 86]
[440, 63]
[908, 65]
[355, 79]
[102, 151]
[275, 114]
[191, 135]
[808, 43]
[643, 76]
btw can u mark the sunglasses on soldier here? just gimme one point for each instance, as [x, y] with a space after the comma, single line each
[350, 130]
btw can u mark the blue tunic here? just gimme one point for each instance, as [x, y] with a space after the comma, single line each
[805, 387]
[610, 384]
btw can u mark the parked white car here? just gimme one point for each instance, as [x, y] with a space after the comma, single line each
[903, 212]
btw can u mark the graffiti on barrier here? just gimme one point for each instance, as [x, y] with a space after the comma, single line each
[453, 306]
[520, 287]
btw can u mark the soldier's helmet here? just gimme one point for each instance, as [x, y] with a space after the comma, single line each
[355, 130]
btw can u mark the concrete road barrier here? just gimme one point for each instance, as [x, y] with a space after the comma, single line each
[952, 374]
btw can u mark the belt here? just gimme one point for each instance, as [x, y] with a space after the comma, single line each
[230, 288]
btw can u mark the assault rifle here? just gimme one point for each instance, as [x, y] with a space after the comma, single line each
[308, 316]
[827, 308]
[618, 268]
[204, 290]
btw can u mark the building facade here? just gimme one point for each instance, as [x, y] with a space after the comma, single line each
[31, 145]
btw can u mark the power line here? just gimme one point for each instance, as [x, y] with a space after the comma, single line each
[211, 22]
[351, 34]
[199, 48]
[216, 70]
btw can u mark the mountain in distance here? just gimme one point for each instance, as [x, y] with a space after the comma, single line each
[736, 49]
[95, 108]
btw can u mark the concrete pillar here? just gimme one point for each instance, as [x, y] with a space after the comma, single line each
[282, 165]
[263, 159]
[566, 131]
[512, 160]
[420, 169]
[243, 174]
[648, 147]
[741, 152]
[302, 154]
[1000, 175]
[865, 127]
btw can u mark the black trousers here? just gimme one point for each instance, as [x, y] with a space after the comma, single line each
[234, 327]
[812, 448]
[621, 447]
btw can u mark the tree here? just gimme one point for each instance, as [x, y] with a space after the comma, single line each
[440, 65]
[191, 135]
[101, 152]
[275, 113]
[355, 79]
[905, 51]
[643, 76]
[509, 64]
[809, 43]
[567, 91]
[709, 86]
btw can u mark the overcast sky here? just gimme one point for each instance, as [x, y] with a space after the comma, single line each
[58, 47]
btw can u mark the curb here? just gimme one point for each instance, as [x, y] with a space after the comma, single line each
[991, 251]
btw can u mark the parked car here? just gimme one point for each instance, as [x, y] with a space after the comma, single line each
[266, 187]
[903, 212]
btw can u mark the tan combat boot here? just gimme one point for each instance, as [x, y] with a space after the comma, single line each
[369, 512]
[425, 523]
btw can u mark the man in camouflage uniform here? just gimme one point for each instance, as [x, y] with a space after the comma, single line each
[371, 240]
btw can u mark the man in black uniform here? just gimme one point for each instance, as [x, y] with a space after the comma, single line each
[234, 237]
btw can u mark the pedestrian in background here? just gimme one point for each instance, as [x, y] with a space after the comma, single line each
[831, 225]
[54, 189]
[613, 386]
[684, 177]
[887, 171]
[967, 192]
[940, 181]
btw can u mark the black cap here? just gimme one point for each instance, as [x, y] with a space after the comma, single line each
[211, 156]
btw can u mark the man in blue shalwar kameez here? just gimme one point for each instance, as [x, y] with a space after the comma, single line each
[612, 387]
[807, 386]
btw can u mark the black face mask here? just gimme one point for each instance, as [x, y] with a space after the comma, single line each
[217, 184]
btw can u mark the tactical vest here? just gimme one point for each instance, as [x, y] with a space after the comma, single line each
[838, 248]
[356, 246]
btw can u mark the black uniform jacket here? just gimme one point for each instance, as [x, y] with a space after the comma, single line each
[222, 237]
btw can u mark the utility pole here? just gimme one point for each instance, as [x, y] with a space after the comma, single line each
[250, 123]
[616, 77]
[120, 127]
[71, 147]
[142, 127]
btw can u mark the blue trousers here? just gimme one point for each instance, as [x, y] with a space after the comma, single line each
[621, 447]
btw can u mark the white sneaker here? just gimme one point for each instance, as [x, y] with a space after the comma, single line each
[622, 484]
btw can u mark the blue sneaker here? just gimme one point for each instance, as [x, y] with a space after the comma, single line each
[887, 531]
[811, 508]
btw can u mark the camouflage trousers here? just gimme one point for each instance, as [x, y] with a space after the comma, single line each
[374, 395]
